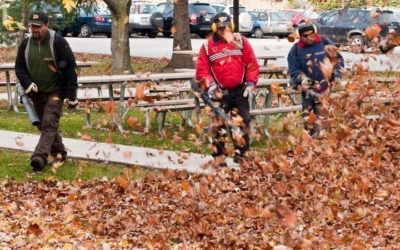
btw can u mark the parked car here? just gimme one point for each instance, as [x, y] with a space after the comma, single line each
[347, 26]
[271, 23]
[91, 20]
[298, 15]
[245, 20]
[139, 18]
[200, 17]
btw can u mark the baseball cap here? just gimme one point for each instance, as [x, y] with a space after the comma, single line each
[38, 18]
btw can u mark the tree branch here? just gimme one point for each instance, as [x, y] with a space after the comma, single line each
[112, 6]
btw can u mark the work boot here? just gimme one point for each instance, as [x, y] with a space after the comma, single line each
[37, 163]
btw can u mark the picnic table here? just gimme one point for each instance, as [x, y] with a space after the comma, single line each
[123, 80]
[265, 59]
[7, 67]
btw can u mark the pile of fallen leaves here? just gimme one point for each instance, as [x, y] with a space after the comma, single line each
[339, 190]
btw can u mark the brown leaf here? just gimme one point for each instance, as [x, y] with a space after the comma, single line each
[276, 89]
[140, 91]
[34, 229]
[173, 30]
[373, 31]
[326, 68]
[131, 121]
[110, 108]
[86, 137]
[122, 182]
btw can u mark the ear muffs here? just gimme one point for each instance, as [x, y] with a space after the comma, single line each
[314, 28]
[214, 27]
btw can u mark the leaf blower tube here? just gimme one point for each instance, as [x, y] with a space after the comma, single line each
[217, 110]
[28, 105]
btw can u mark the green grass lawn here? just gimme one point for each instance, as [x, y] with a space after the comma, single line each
[15, 165]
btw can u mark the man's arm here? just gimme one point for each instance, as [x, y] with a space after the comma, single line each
[21, 69]
[68, 68]
[296, 74]
[250, 60]
[203, 69]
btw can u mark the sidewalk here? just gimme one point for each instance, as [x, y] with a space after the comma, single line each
[116, 153]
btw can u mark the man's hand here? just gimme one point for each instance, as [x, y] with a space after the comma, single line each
[33, 88]
[250, 87]
[212, 89]
[72, 103]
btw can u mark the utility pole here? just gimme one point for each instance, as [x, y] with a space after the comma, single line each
[236, 15]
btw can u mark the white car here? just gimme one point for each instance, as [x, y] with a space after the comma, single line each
[245, 22]
[140, 18]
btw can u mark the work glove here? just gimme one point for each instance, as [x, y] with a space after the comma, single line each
[306, 83]
[248, 91]
[33, 88]
[72, 103]
[212, 89]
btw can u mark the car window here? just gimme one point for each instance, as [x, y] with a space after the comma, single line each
[275, 16]
[241, 10]
[388, 17]
[263, 16]
[218, 9]
[329, 18]
[147, 8]
[203, 9]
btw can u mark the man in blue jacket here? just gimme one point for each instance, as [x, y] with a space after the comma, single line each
[305, 59]
[46, 68]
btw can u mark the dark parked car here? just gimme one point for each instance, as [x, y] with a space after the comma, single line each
[200, 17]
[90, 20]
[347, 26]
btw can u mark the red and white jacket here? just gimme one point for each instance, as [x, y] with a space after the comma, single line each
[226, 63]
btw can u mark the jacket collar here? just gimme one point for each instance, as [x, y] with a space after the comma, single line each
[301, 44]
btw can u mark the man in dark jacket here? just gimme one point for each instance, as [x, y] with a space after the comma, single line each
[228, 70]
[46, 68]
[309, 61]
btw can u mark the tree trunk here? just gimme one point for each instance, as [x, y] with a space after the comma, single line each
[181, 36]
[120, 36]
[24, 21]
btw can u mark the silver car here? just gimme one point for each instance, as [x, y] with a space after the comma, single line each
[140, 18]
[271, 23]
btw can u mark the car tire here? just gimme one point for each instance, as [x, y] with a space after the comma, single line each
[356, 44]
[152, 34]
[86, 31]
[109, 35]
[166, 34]
[75, 34]
[258, 33]
[157, 20]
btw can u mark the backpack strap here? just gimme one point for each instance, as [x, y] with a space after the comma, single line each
[238, 40]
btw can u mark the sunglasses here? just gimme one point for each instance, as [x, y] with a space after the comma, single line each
[307, 35]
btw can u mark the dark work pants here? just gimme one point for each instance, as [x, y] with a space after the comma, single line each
[311, 104]
[236, 105]
[48, 106]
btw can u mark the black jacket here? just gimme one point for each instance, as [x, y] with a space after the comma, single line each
[64, 61]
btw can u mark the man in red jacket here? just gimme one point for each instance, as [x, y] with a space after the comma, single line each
[228, 70]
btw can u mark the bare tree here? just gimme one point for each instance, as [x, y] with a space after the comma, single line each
[120, 35]
[181, 36]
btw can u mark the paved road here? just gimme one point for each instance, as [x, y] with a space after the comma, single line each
[162, 47]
